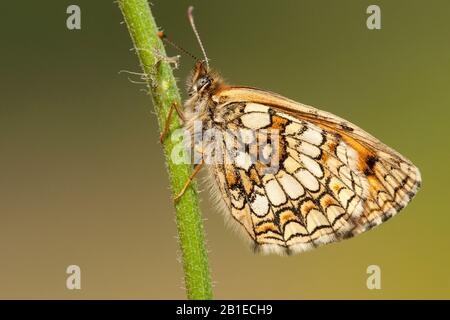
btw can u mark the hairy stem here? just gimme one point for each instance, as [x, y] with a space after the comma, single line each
[164, 92]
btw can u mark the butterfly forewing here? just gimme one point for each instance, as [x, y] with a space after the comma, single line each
[331, 180]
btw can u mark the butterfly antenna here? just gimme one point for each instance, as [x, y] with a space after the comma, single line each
[191, 20]
[163, 37]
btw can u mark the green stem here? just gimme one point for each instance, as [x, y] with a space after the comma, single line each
[164, 92]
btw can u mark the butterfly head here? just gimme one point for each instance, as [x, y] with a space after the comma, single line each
[202, 82]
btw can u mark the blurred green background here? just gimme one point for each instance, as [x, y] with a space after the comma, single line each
[82, 177]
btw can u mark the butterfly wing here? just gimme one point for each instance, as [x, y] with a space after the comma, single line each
[333, 180]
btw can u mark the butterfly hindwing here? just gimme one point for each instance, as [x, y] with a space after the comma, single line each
[326, 184]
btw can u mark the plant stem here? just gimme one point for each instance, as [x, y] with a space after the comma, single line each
[164, 92]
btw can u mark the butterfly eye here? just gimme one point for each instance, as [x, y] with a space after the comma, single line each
[203, 83]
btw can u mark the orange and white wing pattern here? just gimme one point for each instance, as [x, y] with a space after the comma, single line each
[333, 180]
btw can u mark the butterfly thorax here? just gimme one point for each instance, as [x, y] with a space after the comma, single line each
[202, 85]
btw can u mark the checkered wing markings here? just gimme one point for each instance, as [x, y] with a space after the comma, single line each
[307, 202]
[320, 193]
[391, 178]
[393, 184]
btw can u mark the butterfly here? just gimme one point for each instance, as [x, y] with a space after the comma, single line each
[331, 180]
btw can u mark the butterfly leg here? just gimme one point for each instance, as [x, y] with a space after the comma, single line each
[188, 182]
[173, 107]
